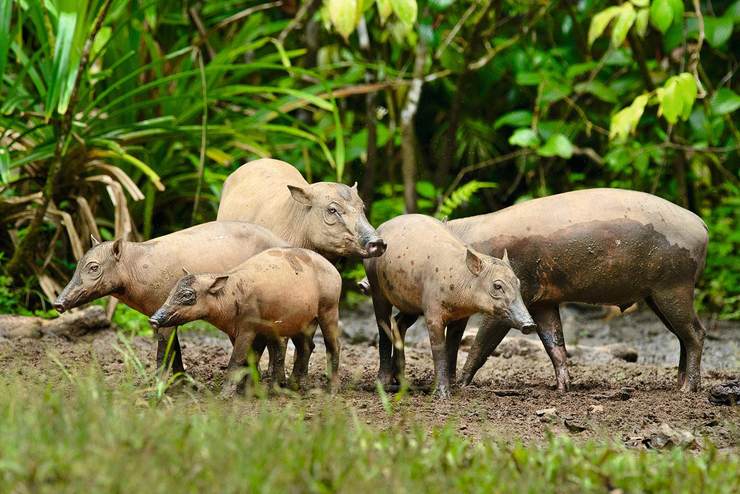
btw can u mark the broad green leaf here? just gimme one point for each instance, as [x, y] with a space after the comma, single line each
[640, 3]
[624, 22]
[426, 189]
[528, 78]
[724, 101]
[62, 59]
[385, 9]
[661, 15]
[406, 11]
[598, 89]
[599, 23]
[4, 165]
[344, 15]
[557, 145]
[579, 68]
[6, 8]
[525, 138]
[676, 97]
[718, 30]
[677, 8]
[625, 121]
[518, 118]
[440, 5]
[641, 22]
[733, 11]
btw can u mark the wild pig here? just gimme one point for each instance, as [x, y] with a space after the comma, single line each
[428, 271]
[599, 246]
[325, 217]
[280, 293]
[141, 274]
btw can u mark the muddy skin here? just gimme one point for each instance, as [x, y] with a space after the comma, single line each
[599, 246]
[141, 274]
[325, 217]
[440, 279]
[279, 293]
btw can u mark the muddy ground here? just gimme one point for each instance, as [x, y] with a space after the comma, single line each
[512, 396]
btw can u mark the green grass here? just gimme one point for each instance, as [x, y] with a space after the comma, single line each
[78, 434]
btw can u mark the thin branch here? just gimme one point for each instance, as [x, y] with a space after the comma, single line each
[203, 132]
[483, 164]
[306, 10]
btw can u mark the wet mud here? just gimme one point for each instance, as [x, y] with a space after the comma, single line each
[511, 398]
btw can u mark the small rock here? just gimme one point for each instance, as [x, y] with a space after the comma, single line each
[547, 415]
[666, 436]
[575, 426]
[622, 352]
[622, 394]
[594, 409]
[726, 393]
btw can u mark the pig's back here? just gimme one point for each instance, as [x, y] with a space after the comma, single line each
[257, 189]
[557, 213]
[599, 246]
[214, 247]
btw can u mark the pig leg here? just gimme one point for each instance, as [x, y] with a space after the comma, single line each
[550, 331]
[276, 351]
[304, 346]
[235, 379]
[676, 308]
[488, 338]
[383, 309]
[403, 321]
[168, 351]
[455, 332]
[329, 323]
[436, 328]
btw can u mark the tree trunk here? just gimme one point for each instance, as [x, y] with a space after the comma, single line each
[408, 140]
[70, 325]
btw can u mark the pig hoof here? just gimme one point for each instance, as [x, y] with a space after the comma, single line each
[442, 393]
[228, 391]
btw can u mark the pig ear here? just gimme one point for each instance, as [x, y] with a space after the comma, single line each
[506, 258]
[185, 270]
[354, 186]
[94, 242]
[300, 194]
[118, 249]
[474, 262]
[218, 284]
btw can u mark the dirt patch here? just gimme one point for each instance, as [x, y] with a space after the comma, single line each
[512, 396]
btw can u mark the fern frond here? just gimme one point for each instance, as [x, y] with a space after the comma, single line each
[461, 196]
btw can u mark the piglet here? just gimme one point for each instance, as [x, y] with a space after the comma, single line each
[428, 271]
[281, 292]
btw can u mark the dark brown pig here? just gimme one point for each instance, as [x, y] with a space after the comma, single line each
[325, 217]
[598, 246]
[428, 271]
[141, 274]
[278, 293]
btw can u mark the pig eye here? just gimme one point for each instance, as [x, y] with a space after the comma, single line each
[498, 286]
[332, 210]
[94, 268]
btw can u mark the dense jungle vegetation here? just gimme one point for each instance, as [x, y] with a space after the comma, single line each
[121, 118]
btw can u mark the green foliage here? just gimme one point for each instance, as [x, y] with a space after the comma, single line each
[460, 196]
[82, 435]
[537, 97]
[721, 290]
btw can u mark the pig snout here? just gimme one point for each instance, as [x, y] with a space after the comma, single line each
[364, 286]
[370, 242]
[158, 319]
[521, 318]
[59, 305]
[375, 247]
